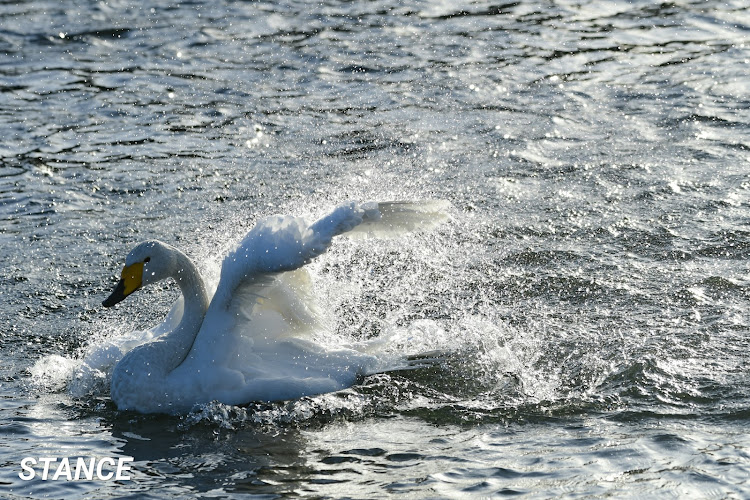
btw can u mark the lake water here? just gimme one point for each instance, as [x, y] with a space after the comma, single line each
[593, 280]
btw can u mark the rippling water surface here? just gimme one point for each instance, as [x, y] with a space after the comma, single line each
[593, 279]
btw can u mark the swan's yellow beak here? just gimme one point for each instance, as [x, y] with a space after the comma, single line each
[130, 281]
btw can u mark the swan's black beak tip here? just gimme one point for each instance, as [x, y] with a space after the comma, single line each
[117, 296]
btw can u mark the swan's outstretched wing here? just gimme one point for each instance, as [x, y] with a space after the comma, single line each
[253, 274]
[284, 243]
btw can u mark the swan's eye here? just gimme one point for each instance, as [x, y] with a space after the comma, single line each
[147, 259]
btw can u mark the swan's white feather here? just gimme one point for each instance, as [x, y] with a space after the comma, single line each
[283, 243]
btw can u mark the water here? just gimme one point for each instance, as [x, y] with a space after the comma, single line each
[593, 278]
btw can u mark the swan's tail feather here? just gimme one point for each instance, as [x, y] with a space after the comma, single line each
[430, 359]
[397, 217]
[421, 361]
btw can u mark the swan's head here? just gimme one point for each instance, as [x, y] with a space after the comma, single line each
[148, 262]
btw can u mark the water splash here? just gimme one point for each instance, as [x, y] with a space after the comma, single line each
[52, 373]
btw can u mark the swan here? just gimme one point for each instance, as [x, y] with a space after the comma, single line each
[245, 342]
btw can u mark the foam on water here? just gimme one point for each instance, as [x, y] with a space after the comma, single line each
[52, 373]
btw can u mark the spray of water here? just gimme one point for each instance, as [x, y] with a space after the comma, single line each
[430, 291]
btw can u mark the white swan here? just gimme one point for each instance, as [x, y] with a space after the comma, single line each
[240, 345]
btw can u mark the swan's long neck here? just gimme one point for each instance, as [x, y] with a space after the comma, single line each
[177, 344]
[141, 379]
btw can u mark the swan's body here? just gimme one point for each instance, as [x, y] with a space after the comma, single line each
[241, 345]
